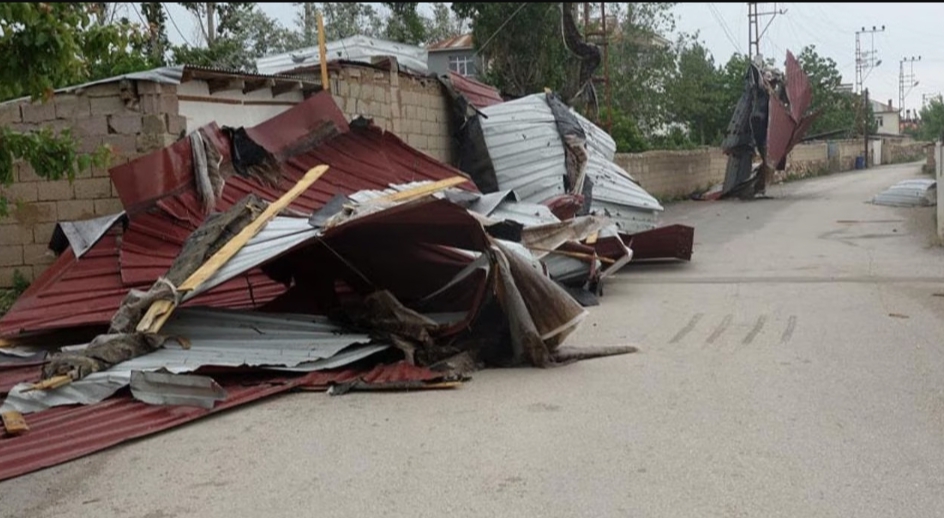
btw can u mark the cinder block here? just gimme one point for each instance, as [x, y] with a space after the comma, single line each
[10, 113]
[106, 105]
[430, 129]
[121, 145]
[55, 191]
[108, 206]
[176, 124]
[170, 103]
[153, 124]
[70, 106]
[25, 173]
[32, 213]
[150, 104]
[126, 124]
[20, 191]
[11, 234]
[39, 112]
[72, 210]
[103, 90]
[38, 254]
[11, 255]
[149, 88]
[89, 144]
[92, 126]
[42, 232]
[93, 188]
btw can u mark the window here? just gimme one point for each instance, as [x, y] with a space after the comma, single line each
[464, 65]
[880, 121]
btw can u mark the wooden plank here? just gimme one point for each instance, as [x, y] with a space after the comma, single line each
[592, 238]
[322, 54]
[423, 190]
[160, 311]
[14, 423]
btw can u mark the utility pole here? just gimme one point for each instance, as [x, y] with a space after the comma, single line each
[211, 24]
[599, 36]
[905, 81]
[865, 129]
[865, 60]
[753, 27]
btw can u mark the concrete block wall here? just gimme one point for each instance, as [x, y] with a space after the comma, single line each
[132, 119]
[413, 108]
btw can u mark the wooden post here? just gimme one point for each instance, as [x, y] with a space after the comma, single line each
[323, 54]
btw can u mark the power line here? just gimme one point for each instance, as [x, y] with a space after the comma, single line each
[490, 38]
[174, 23]
[136, 11]
[724, 27]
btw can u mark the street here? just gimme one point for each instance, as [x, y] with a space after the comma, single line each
[794, 368]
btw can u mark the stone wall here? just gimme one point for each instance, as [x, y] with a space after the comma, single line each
[413, 108]
[132, 119]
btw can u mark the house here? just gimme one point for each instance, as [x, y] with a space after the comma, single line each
[455, 54]
[887, 117]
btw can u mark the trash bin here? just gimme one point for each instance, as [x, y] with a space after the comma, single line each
[860, 162]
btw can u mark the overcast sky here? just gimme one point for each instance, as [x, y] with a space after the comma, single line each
[911, 29]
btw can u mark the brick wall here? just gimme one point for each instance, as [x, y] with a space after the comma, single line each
[132, 119]
[675, 174]
[413, 108]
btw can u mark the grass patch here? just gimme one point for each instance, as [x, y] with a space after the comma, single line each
[9, 296]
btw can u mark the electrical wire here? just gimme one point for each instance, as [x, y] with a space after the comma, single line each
[174, 23]
[140, 17]
[490, 38]
[724, 27]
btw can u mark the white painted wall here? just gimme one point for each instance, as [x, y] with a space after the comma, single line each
[200, 113]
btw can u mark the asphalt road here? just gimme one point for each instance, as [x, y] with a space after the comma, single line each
[794, 368]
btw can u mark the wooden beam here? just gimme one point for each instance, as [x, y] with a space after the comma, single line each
[161, 310]
[423, 190]
[252, 86]
[285, 87]
[322, 54]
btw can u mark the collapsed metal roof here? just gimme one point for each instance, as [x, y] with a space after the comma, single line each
[363, 49]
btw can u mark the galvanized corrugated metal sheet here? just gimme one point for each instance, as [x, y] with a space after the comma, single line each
[217, 338]
[599, 142]
[619, 198]
[917, 192]
[526, 148]
[355, 48]
[479, 94]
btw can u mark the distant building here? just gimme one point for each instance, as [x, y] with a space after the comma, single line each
[455, 54]
[887, 117]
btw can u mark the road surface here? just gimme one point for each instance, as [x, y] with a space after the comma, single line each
[794, 368]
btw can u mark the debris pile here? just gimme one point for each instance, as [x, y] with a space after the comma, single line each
[916, 192]
[309, 252]
[770, 118]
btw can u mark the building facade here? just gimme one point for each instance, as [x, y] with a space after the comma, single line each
[457, 55]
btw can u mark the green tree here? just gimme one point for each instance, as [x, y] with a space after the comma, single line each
[840, 110]
[405, 24]
[44, 46]
[696, 96]
[244, 34]
[521, 44]
[157, 43]
[341, 20]
[932, 120]
[443, 24]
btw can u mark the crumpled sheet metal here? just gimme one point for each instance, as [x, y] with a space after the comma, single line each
[218, 338]
[81, 235]
[916, 192]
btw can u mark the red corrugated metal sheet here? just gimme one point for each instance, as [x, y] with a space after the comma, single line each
[462, 41]
[668, 242]
[62, 434]
[479, 94]
[780, 128]
[158, 191]
[799, 90]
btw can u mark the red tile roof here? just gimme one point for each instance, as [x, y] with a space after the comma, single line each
[158, 192]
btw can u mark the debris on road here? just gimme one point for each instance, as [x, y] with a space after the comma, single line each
[768, 121]
[917, 192]
[310, 253]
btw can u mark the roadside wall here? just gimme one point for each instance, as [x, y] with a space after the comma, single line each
[133, 119]
[674, 174]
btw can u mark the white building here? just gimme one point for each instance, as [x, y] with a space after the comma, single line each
[887, 117]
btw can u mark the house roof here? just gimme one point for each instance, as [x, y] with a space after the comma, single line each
[879, 107]
[462, 41]
[479, 94]
[362, 49]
